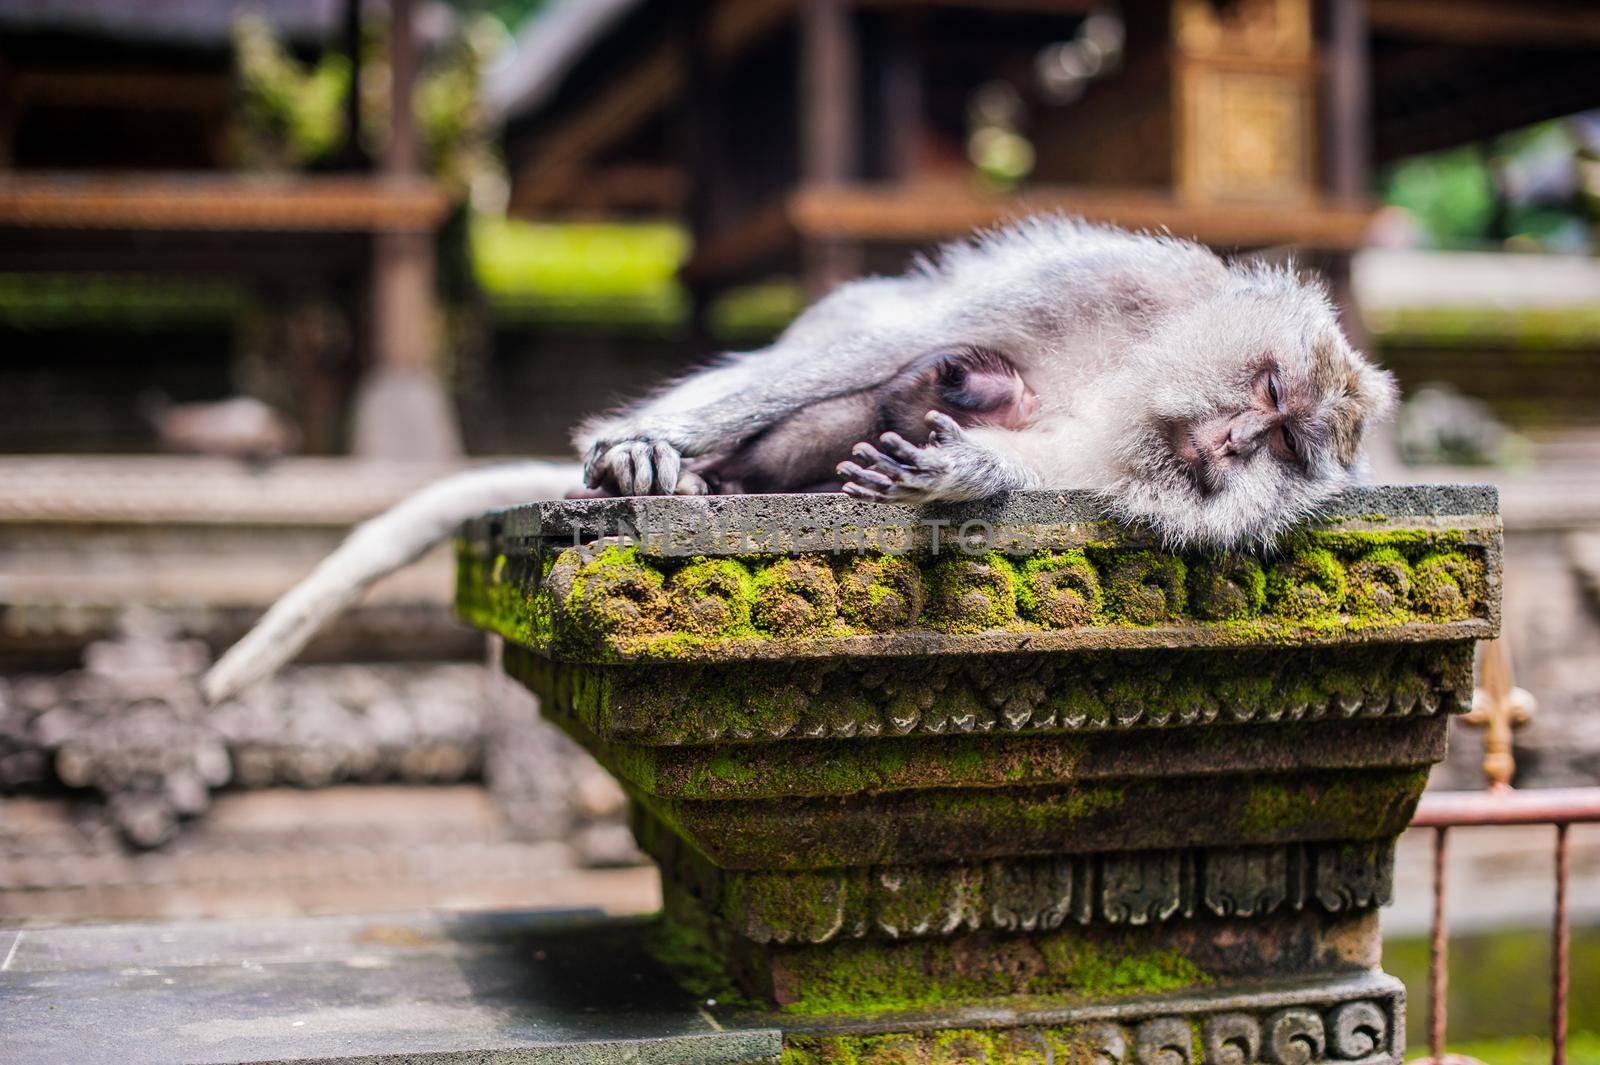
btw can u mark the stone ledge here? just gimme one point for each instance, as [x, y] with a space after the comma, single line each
[851, 579]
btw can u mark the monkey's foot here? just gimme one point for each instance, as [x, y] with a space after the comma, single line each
[899, 471]
[639, 467]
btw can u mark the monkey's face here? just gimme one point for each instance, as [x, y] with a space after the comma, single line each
[1256, 407]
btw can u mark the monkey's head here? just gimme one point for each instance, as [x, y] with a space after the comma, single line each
[1254, 408]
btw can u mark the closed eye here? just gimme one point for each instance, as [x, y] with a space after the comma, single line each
[1291, 443]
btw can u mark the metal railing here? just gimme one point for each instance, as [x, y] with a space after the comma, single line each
[1499, 707]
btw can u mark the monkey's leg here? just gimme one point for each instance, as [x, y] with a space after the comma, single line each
[952, 467]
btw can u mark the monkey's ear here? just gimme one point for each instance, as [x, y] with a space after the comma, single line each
[1374, 389]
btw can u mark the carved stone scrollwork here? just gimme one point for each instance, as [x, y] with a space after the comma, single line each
[1141, 887]
[1231, 1039]
[1358, 1030]
[1107, 1043]
[1245, 882]
[1296, 1037]
[1353, 875]
[1164, 1041]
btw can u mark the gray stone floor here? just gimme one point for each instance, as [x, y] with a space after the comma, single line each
[443, 990]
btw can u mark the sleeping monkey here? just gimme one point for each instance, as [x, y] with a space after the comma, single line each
[1215, 403]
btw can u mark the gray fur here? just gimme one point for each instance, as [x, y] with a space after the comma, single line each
[1120, 335]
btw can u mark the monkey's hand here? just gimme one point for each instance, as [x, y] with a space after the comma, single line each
[639, 467]
[951, 467]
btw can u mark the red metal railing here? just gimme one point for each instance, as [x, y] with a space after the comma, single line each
[1499, 707]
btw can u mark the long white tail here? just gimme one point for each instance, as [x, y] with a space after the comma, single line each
[376, 548]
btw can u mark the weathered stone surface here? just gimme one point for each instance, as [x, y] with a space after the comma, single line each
[452, 990]
[1001, 583]
[930, 696]
[1354, 1019]
[1009, 757]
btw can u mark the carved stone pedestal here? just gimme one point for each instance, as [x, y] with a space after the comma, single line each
[1004, 782]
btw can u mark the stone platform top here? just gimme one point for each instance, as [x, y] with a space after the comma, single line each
[743, 578]
[470, 989]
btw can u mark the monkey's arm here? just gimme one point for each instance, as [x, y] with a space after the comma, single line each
[376, 548]
[854, 338]
[954, 466]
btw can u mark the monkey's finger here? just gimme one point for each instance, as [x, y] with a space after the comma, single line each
[873, 457]
[870, 478]
[905, 451]
[667, 462]
[594, 465]
[692, 484]
[947, 427]
[852, 489]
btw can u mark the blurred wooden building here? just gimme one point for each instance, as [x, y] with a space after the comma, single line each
[118, 159]
[823, 137]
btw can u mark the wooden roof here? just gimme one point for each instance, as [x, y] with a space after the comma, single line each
[222, 202]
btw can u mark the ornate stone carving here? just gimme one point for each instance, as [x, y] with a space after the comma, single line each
[844, 698]
[1231, 1039]
[1164, 1041]
[1029, 895]
[620, 603]
[1356, 1029]
[1295, 1036]
[1143, 886]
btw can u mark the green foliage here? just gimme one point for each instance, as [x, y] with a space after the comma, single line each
[1449, 194]
[72, 301]
[292, 115]
[619, 274]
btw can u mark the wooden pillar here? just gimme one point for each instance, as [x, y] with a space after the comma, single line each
[1349, 105]
[701, 149]
[353, 155]
[402, 409]
[829, 144]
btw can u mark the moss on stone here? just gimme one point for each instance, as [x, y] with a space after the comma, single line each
[972, 594]
[796, 597]
[1059, 590]
[1447, 584]
[1379, 583]
[615, 594]
[1145, 588]
[1227, 588]
[880, 593]
[1340, 806]
[870, 976]
[1308, 586]
[712, 597]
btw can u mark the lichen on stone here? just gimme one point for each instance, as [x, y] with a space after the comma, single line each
[1310, 584]
[880, 593]
[796, 597]
[1146, 588]
[1227, 588]
[1059, 590]
[973, 594]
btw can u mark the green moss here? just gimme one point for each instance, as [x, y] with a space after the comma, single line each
[1308, 586]
[614, 594]
[712, 597]
[1059, 590]
[869, 976]
[1379, 583]
[882, 592]
[1145, 588]
[973, 594]
[796, 597]
[1447, 584]
[1227, 588]
[1340, 806]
